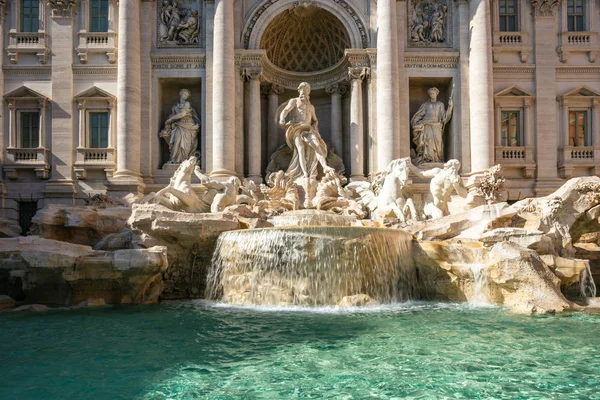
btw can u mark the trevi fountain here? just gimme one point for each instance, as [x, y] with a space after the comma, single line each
[307, 279]
[421, 278]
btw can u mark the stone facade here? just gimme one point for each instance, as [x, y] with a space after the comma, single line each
[84, 105]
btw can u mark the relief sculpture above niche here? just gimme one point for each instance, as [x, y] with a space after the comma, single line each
[179, 23]
[429, 23]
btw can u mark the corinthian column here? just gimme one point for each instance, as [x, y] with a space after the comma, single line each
[388, 95]
[129, 111]
[254, 125]
[356, 76]
[223, 91]
[481, 86]
[336, 91]
[272, 128]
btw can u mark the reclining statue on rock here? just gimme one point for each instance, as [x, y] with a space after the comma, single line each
[179, 194]
[444, 181]
[331, 196]
[211, 196]
[388, 196]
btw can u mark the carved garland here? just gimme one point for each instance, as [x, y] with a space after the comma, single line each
[545, 8]
[342, 3]
[62, 8]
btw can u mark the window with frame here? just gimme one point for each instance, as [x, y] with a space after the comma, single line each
[30, 15]
[99, 15]
[30, 130]
[576, 16]
[578, 132]
[511, 129]
[508, 15]
[98, 130]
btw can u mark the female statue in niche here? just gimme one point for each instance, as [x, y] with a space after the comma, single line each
[181, 129]
[428, 128]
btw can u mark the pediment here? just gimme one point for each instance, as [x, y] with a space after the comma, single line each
[513, 91]
[25, 93]
[94, 93]
[582, 91]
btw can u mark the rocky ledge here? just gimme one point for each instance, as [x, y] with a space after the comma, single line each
[59, 273]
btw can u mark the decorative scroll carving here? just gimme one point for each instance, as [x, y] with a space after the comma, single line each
[545, 8]
[429, 23]
[179, 23]
[358, 73]
[337, 88]
[250, 73]
[62, 8]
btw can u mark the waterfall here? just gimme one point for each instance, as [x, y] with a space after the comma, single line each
[480, 284]
[587, 287]
[312, 266]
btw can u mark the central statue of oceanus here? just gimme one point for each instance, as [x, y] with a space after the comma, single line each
[300, 121]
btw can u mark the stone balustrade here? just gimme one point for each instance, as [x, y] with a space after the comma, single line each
[27, 43]
[97, 42]
[517, 156]
[507, 42]
[36, 159]
[572, 157]
[582, 42]
[94, 159]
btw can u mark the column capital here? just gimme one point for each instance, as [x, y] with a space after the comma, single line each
[62, 8]
[545, 8]
[251, 73]
[336, 88]
[358, 73]
[272, 89]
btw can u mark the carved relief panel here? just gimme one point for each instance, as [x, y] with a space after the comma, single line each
[179, 23]
[429, 23]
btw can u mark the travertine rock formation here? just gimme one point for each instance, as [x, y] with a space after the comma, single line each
[61, 273]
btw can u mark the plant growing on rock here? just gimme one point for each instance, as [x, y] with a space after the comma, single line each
[491, 184]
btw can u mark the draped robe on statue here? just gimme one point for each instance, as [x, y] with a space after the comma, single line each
[297, 127]
[428, 130]
[184, 132]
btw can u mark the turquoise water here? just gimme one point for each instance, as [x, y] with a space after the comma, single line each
[188, 350]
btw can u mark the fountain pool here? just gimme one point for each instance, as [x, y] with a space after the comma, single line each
[192, 349]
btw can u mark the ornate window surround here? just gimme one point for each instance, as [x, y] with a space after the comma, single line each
[26, 42]
[95, 99]
[510, 42]
[97, 42]
[515, 99]
[570, 157]
[579, 42]
[20, 100]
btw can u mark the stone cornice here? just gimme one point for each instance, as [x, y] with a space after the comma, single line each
[431, 60]
[85, 70]
[528, 70]
[24, 70]
[578, 70]
[317, 80]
